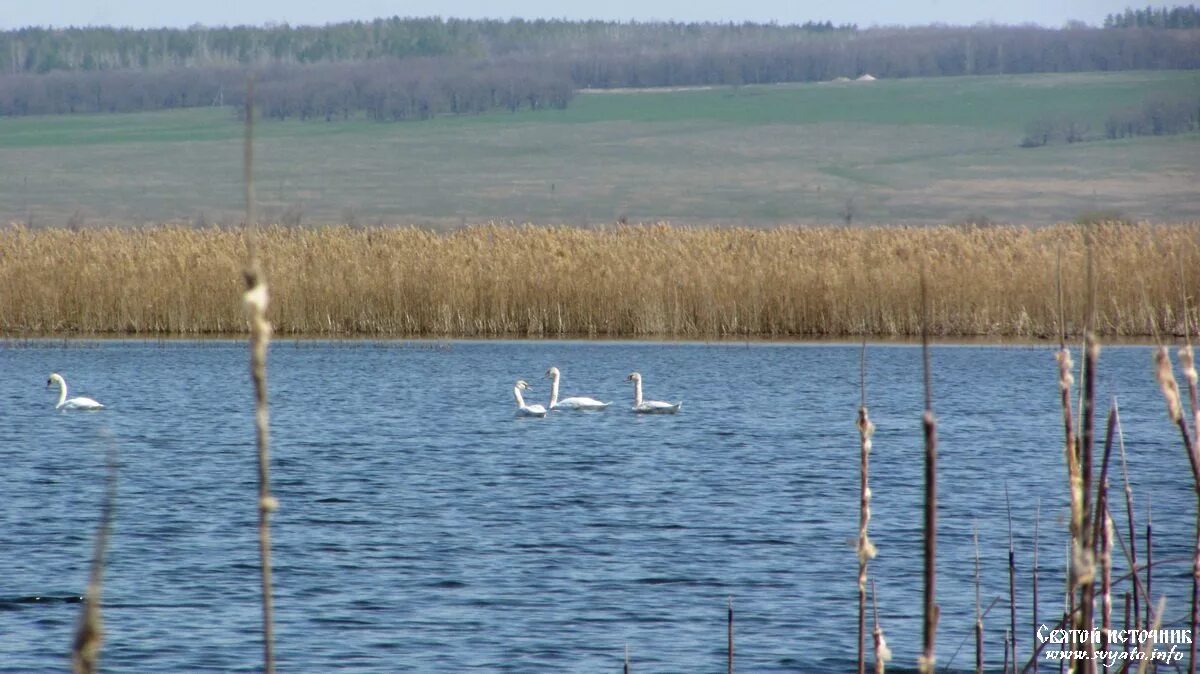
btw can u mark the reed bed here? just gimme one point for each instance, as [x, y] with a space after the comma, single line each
[648, 280]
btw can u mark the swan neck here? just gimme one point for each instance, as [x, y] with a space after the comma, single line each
[554, 390]
[62, 392]
[637, 392]
[517, 395]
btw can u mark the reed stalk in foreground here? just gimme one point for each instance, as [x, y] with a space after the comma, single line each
[1075, 482]
[1170, 390]
[1149, 555]
[882, 653]
[1084, 550]
[1037, 523]
[1103, 532]
[1187, 363]
[1012, 581]
[625, 669]
[928, 660]
[1007, 637]
[1148, 645]
[978, 610]
[866, 549]
[89, 633]
[729, 635]
[1128, 611]
[255, 300]
[1132, 552]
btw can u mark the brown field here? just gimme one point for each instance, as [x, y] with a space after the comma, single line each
[634, 281]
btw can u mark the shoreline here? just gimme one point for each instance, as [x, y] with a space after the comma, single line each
[433, 342]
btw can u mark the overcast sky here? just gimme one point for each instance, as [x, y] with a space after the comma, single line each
[151, 13]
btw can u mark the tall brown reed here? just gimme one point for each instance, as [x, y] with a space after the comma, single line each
[882, 653]
[1102, 531]
[1148, 645]
[978, 610]
[1149, 555]
[866, 549]
[1187, 363]
[89, 631]
[255, 300]
[729, 636]
[611, 281]
[1012, 580]
[928, 661]
[1132, 552]
[1084, 550]
[1170, 390]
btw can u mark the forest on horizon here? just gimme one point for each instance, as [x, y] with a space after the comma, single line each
[416, 68]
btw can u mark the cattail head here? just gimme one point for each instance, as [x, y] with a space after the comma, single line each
[1084, 563]
[1166, 381]
[883, 653]
[1065, 365]
[1187, 363]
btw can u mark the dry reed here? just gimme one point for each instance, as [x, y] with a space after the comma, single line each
[927, 662]
[866, 549]
[1037, 525]
[255, 300]
[978, 610]
[89, 633]
[1149, 555]
[1132, 551]
[611, 281]
[1012, 580]
[1187, 364]
[729, 635]
[882, 653]
[1102, 532]
[1084, 552]
[1148, 645]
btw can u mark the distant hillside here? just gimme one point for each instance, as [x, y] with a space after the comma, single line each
[415, 68]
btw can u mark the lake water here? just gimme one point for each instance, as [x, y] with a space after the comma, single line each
[425, 528]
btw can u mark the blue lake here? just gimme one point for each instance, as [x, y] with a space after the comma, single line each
[423, 527]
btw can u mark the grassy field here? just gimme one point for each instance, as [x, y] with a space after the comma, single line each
[906, 151]
[611, 281]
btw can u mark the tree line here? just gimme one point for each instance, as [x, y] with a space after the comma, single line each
[418, 68]
[41, 50]
[382, 90]
[1150, 17]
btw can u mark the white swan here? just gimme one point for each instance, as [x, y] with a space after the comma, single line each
[522, 408]
[573, 402]
[80, 403]
[649, 406]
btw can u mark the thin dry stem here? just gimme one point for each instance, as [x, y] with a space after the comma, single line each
[928, 660]
[1012, 580]
[1132, 552]
[866, 549]
[1148, 646]
[883, 654]
[89, 632]
[255, 300]
[1037, 523]
[729, 636]
[978, 610]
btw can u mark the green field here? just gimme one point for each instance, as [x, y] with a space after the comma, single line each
[911, 151]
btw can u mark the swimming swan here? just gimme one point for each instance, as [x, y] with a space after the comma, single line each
[80, 403]
[649, 406]
[522, 408]
[572, 403]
